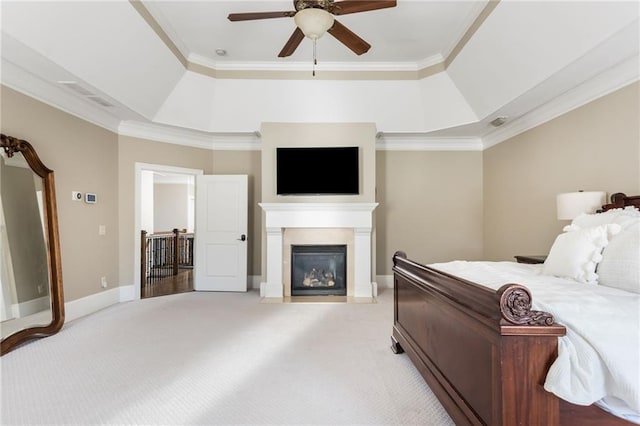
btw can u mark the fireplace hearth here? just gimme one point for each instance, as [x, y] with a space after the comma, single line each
[318, 270]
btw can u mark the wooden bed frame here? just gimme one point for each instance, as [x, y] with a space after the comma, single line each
[484, 353]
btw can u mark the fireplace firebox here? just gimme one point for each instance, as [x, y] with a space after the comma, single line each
[318, 270]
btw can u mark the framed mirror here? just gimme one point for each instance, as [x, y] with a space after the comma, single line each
[31, 300]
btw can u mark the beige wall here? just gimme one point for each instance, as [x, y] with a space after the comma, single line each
[135, 150]
[83, 158]
[132, 151]
[430, 206]
[276, 135]
[595, 147]
[170, 206]
[362, 135]
[436, 206]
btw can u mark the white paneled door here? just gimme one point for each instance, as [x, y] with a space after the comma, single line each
[221, 233]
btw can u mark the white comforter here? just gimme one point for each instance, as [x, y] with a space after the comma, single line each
[600, 355]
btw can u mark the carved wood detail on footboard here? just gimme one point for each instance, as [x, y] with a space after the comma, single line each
[484, 353]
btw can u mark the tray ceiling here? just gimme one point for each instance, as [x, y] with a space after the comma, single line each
[436, 69]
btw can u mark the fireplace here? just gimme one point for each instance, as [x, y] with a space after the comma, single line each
[355, 221]
[318, 270]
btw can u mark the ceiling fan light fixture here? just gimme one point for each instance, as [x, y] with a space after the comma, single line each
[313, 22]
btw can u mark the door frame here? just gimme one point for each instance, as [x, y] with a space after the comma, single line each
[139, 168]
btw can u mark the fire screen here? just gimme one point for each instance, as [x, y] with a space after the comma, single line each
[318, 270]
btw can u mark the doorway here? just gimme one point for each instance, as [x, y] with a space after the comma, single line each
[167, 235]
[164, 198]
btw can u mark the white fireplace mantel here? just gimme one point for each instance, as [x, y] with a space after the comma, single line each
[356, 216]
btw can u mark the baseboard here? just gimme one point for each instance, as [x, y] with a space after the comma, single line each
[253, 282]
[90, 304]
[384, 281]
[95, 302]
[127, 293]
[30, 307]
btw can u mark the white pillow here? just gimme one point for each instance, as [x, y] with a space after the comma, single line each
[620, 265]
[623, 217]
[576, 254]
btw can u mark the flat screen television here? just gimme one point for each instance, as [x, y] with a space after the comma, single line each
[317, 171]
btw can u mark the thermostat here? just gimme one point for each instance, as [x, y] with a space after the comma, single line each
[90, 198]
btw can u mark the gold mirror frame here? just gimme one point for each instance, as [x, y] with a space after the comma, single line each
[12, 145]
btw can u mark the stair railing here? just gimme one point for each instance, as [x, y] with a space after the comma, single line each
[164, 253]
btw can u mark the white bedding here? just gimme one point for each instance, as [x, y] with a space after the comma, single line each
[598, 357]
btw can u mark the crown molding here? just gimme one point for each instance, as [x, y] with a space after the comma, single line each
[250, 141]
[161, 26]
[483, 12]
[437, 59]
[417, 69]
[471, 22]
[17, 78]
[424, 142]
[617, 77]
[239, 141]
[304, 66]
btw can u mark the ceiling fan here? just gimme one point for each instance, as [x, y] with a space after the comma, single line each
[315, 17]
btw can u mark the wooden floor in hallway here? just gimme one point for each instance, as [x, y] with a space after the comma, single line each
[181, 283]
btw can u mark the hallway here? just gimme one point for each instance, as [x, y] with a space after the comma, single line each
[174, 284]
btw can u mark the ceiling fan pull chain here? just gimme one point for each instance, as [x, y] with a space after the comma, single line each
[315, 61]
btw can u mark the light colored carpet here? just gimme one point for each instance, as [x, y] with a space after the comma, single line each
[219, 358]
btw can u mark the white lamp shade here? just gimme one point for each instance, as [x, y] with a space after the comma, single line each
[572, 204]
[313, 22]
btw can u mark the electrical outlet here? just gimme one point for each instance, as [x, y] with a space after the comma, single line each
[40, 289]
[103, 282]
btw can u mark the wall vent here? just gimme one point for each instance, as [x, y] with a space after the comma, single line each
[100, 101]
[83, 91]
[76, 88]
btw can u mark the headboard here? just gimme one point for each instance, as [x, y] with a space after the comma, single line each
[620, 201]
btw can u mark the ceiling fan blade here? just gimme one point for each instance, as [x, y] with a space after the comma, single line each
[349, 38]
[292, 43]
[250, 16]
[355, 6]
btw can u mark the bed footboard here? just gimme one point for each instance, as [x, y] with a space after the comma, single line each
[484, 353]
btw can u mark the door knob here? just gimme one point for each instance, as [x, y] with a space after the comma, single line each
[242, 238]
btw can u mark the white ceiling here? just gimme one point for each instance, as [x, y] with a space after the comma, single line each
[527, 60]
[413, 32]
